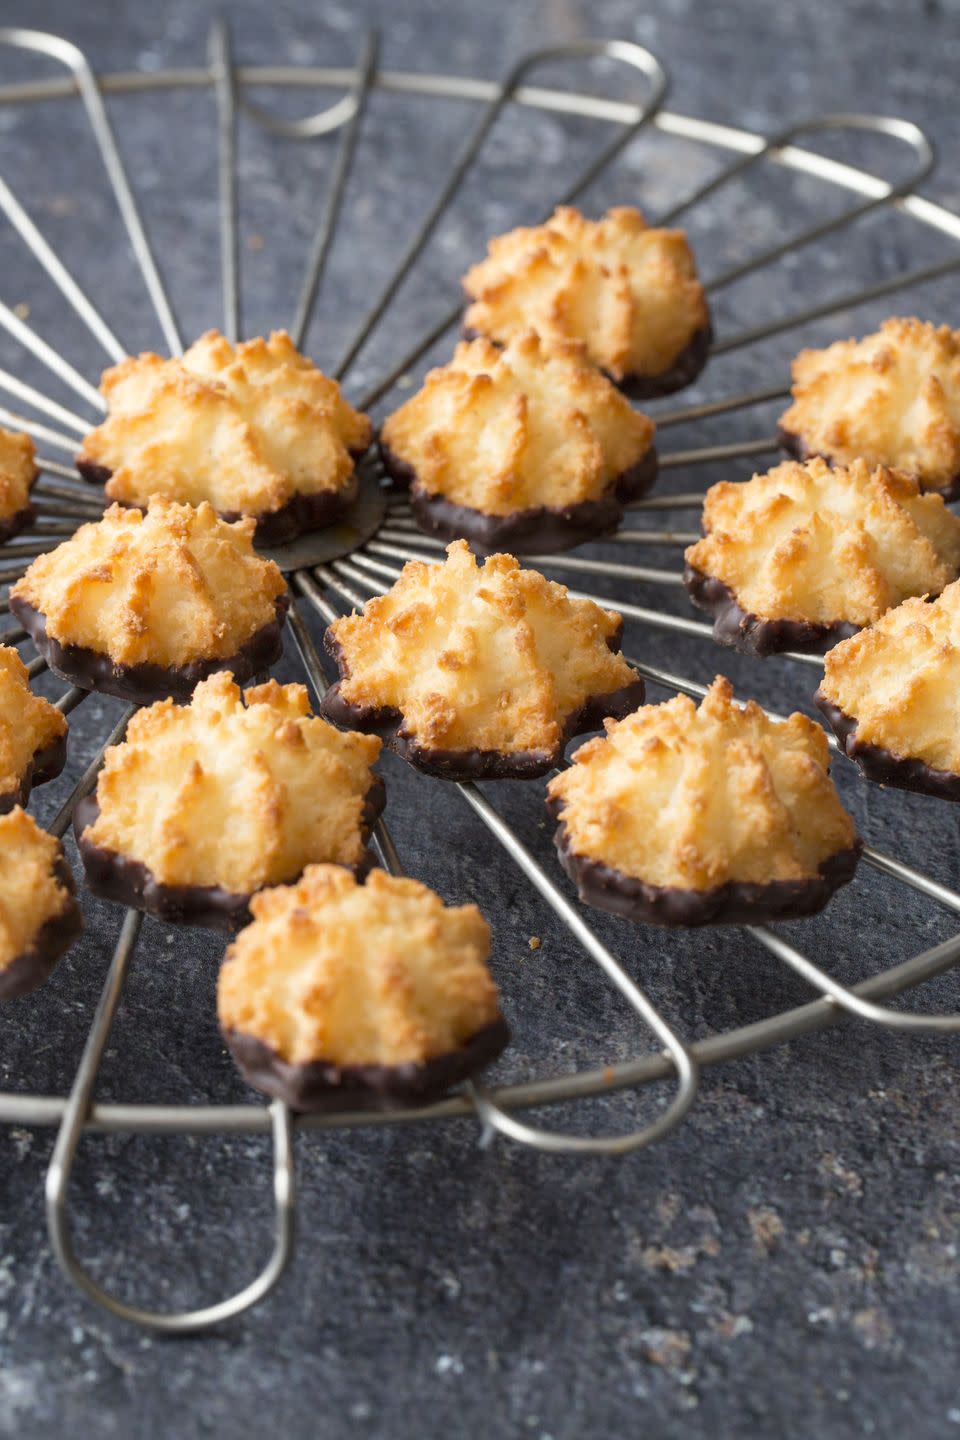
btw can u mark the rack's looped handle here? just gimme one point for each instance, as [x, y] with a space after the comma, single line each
[70, 55]
[65, 1151]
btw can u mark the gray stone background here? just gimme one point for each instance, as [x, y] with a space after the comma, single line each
[784, 1264]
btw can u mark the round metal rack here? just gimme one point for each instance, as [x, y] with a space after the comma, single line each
[340, 569]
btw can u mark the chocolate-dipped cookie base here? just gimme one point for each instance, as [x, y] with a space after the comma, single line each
[541, 529]
[31, 969]
[683, 371]
[883, 766]
[735, 903]
[13, 524]
[129, 882]
[302, 513]
[751, 634]
[146, 682]
[796, 447]
[464, 765]
[46, 764]
[320, 1086]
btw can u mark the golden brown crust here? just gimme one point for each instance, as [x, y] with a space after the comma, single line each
[167, 587]
[31, 891]
[697, 798]
[814, 543]
[488, 657]
[246, 428]
[530, 425]
[900, 679]
[374, 974]
[18, 471]
[28, 722]
[235, 789]
[629, 291]
[892, 398]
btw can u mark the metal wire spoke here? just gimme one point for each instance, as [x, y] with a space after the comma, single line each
[53, 360]
[224, 82]
[15, 386]
[37, 431]
[685, 1065]
[309, 655]
[686, 413]
[58, 272]
[316, 264]
[562, 561]
[876, 124]
[74, 59]
[772, 146]
[833, 307]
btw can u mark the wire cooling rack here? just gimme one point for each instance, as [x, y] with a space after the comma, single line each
[341, 568]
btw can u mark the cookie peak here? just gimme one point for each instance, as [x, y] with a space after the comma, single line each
[379, 974]
[629, 291]
[821, 546]
[689, 797]
[254, 428]
[468, 659]
[890, 398]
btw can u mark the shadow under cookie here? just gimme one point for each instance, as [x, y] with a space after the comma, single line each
[146, 682]
[319, 1085]
[751, 634]
[735, 903]
[539, 529]
[129, 882]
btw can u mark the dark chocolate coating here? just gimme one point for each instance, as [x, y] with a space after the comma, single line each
[16, 522]
[46, 764]
[539, 529]
[795, 446]
[129, 882]
[736, 627]
[31, 969]
[466, 765]
[321, 1086]
[883, 766]
[735, 903]
[683, 371]
[90, 471]
[301, 514]
[146, 682]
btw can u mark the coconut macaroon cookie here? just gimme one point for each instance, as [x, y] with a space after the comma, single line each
[528, 447]
[204, 804]
[629, 291]
[255, 429]
[892, 694]
[33, 734]
[347, 996]
[471, 670]
[892, 398]
[39, 917]
[703, 816]
[805, 555]
[18, 473]
[145, 605]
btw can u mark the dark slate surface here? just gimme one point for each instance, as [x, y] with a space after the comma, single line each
[787, 1262]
